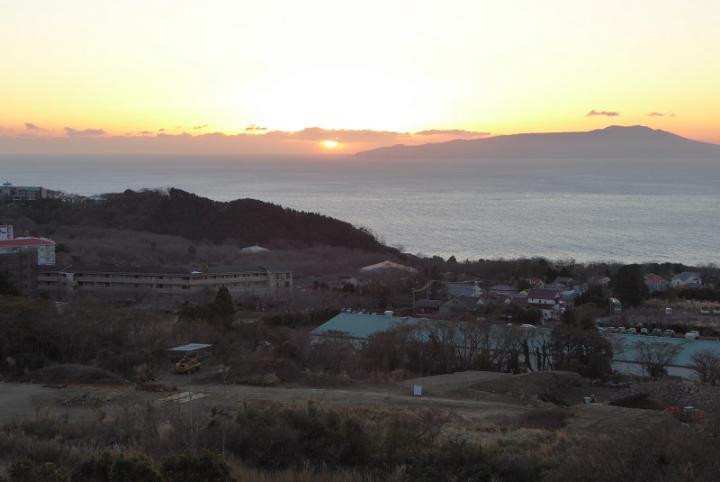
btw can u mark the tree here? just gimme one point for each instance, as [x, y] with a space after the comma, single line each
[630, 286]
[707, 365]
[224, 304]
[584, 351]
[595, 294]
[6, 286]
[656, 356]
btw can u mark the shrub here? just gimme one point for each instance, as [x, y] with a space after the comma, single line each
[203, 468]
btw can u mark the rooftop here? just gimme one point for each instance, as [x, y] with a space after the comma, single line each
[543, 293]
[23, 242]
[652, 278]
[686, 275]
[190, 347]
[363, 325]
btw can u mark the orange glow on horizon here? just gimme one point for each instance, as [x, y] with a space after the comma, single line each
[283, 65]
[330, 144]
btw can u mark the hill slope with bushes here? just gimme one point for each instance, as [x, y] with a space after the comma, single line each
[180, 213]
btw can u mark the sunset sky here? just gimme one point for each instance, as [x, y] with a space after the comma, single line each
[90, 70]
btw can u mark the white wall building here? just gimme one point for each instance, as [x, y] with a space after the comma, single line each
[45, 248]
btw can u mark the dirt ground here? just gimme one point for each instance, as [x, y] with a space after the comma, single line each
[475, 400]
[441, 385]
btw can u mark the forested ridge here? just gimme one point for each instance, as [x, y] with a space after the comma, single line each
[180, 213]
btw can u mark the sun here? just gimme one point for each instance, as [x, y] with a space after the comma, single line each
[330, 144]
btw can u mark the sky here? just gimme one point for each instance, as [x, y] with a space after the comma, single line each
[314, 76]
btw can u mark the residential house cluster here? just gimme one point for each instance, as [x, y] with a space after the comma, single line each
[686, 279]
[463, 298]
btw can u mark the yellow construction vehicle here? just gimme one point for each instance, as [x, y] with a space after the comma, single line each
[187, 365]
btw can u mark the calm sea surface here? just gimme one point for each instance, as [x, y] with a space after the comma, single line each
[630, 210]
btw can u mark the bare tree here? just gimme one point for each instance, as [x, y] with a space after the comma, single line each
[707, 365]
[655, 357]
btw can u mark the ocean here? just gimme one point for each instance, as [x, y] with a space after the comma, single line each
[631, 210]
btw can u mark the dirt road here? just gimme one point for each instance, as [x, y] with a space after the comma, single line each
[24, 400]
[467, 408]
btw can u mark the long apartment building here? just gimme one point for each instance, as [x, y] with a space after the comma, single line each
[239, 281]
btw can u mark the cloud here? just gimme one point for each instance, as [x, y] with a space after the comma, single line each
[203, 126]
[607, 113]
[341, 135]
[451, 132]
[253, 140]
[661, 114]
[84, 132]
[33, 127]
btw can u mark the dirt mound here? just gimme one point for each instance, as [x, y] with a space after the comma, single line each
[440, 385]
[596, 418]
[663, 393]
[558, 388]
[69, 373]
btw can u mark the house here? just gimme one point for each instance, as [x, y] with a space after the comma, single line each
[465, 288]
[388, 265]
[427, 306]
[502, 290]
[548, 301]
[459, 305]
[655, 283]
[564, 282]
[686, 279]
[543, 297]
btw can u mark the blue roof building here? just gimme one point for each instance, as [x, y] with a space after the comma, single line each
[360, 326]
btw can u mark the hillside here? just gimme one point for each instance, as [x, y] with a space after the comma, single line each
[179, 213]
[611, 142]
